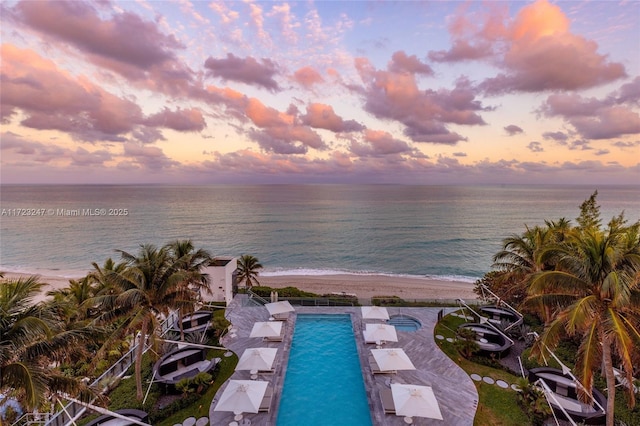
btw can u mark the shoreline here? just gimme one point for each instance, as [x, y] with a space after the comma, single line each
[364, 286]
[367, 286]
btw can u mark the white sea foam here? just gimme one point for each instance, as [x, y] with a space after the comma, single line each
[328, 272]
[56, 273]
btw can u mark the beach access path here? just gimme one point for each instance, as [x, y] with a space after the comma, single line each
[453, 388]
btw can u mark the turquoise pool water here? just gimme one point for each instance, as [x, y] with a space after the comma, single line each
[323, 384]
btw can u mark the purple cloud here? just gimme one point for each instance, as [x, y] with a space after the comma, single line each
[125, 37]
[535, 147]
[244, 70]
[400, 63]
[512, 129]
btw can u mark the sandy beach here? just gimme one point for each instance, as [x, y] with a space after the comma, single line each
[52, 282]
[367, 286]
[364, 286]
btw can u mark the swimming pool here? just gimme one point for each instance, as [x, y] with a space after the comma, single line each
[323, 384]
[404, 323]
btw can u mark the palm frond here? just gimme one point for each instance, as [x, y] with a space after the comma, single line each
[589, 354]
[29, 379]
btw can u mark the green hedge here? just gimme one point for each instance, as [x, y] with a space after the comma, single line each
[264, 291]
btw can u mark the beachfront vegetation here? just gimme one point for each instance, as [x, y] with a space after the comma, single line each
[584, 282]
[34, 340]
[154, 282]
[496, 406]
[248, 270]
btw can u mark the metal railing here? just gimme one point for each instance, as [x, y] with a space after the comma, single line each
[73, 410]
[33, 419]
[255, 298]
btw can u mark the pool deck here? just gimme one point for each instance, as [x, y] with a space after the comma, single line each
[453, 388]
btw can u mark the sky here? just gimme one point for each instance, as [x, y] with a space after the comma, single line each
[409, 92]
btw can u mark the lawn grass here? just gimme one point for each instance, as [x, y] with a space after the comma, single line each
[201, 407]
[496, 406]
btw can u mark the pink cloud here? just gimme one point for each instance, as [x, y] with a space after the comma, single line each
[559, 137]
[610, 117]
[264, 116]
[281, 143]
[287, 20]
[281, 131]
[82, 157]
[51, 99]
[182, 120]
[610, 122]
[401, 63]
[462, 50]
[629, 93]
[125, 37]
[536, 50]
[424, 113]
[379, 143]
[307, 77]
[473, 33]
[322, 116]
[244, 70]
[150, 157]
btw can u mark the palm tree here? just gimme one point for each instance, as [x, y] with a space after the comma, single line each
[150, 287]
[596, 285]
[518, 260]
[248, 267]
[32, 338]
[101, 276]
[71, 299]
[191, 262]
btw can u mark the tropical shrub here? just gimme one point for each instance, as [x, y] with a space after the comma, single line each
[195, 384]
[533, 402]
[465, 343]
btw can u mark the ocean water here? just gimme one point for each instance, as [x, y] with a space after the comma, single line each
[448, 232]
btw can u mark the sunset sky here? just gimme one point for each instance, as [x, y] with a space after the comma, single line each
[417, 92]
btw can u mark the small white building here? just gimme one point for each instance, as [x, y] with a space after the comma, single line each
[223, 272]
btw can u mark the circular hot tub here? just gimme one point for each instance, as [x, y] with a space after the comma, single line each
[404, 323]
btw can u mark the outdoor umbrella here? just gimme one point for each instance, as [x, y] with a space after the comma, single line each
[374, 312]
[392, 359]
[415, 401]
[281, 307]
[266, 329]
[257, 359]
[242, 396]
[380, 332]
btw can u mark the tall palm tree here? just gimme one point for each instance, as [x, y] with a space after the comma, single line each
[101, 276]
[191, 262]
[248, 269]
[31, 338]
[518, 260]
[596, 284]
[150, 287]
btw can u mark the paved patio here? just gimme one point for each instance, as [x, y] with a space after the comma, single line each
[453, 388]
